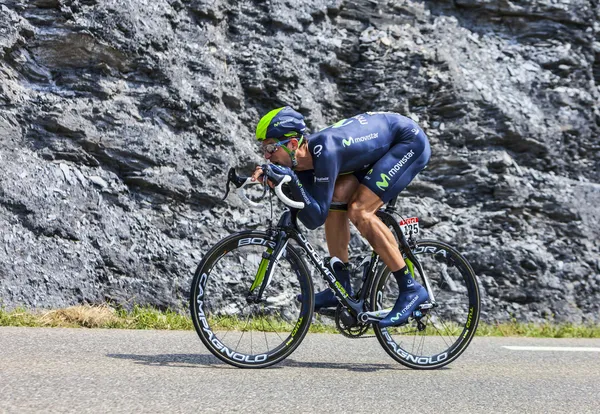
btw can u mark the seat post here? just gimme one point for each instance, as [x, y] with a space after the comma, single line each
[391, 205]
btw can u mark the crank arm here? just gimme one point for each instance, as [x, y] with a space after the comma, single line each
[376, 316]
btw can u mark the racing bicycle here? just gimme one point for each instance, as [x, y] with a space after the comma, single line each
[243, 297]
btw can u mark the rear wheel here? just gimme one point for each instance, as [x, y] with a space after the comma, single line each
[234, 328]
[444, 331]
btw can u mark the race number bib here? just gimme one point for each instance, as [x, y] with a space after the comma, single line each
[410, 227]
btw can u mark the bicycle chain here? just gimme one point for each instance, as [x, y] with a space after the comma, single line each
[362, 336]
[346, 331]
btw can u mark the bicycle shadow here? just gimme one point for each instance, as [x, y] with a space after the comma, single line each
[348, 366]
[175, 360]
[210, 361]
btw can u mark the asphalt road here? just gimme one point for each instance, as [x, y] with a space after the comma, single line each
[79, 370]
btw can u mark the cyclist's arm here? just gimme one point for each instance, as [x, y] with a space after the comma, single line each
[319, 195]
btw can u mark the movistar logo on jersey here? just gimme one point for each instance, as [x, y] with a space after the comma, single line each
[385, 181]
[350, 140]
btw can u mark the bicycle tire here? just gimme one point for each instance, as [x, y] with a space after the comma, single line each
[459, 305]
[218, 301]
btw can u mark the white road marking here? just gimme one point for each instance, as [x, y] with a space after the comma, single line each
[553, 348]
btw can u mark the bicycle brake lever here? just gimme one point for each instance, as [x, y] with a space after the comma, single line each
[232, 177]
[241, 182]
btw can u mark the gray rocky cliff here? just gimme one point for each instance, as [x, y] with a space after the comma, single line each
[118, 120]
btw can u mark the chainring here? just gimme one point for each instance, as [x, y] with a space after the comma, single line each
[355, 331]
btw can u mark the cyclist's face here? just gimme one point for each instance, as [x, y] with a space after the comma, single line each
[272, 151]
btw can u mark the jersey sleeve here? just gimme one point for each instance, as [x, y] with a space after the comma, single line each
[317, 192]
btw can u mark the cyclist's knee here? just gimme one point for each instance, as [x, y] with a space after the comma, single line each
[358, 213]
[363, 205]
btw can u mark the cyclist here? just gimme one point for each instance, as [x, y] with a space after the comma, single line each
[347, 171]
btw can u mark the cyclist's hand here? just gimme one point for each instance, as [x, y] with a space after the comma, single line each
[257, 175]
[276, 173]
[273, 172]
[260, 172]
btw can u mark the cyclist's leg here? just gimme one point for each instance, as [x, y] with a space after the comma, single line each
[337, 234]
[362, 208]
[390, 175]
[337, 226]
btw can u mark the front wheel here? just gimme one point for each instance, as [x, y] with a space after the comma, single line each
[234, 326]
[443, 332]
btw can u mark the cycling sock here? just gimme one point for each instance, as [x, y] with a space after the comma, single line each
[404, 279]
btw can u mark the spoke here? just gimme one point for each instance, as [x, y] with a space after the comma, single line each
[413, 346]
[448, 331]
[247, 320]
[274, 330]
[243, 332]
[265, 333]
[215, 319]
[262, 324]
[407, 332]
[440, 333]
[226, 332]
[238, 344]
[422, 343]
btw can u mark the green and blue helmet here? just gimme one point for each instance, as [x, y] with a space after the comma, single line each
[280, 123]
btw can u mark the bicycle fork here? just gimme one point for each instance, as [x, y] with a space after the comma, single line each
[268, 262]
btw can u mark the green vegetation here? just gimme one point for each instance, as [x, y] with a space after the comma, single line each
[103, 316]
[149, 318]
[544, 330]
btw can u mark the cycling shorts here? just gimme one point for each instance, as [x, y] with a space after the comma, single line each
[388, 176]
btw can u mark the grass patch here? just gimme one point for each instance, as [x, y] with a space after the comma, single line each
[544, 330]
[104, 316]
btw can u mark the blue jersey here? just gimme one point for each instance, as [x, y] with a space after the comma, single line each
[386, 143]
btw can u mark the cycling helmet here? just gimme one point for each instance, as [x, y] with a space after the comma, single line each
[279, 123]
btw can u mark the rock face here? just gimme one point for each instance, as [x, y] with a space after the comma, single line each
[118, 121]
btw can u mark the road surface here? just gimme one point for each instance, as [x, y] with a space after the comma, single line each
[81, 370]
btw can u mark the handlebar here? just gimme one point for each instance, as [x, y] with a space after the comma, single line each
[241, 181]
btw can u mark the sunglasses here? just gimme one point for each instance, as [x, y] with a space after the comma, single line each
[271, 148]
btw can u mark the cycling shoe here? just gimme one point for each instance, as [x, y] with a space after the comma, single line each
[408, 301]
[326, 298]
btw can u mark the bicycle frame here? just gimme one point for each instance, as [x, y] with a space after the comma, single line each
[287, 229]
